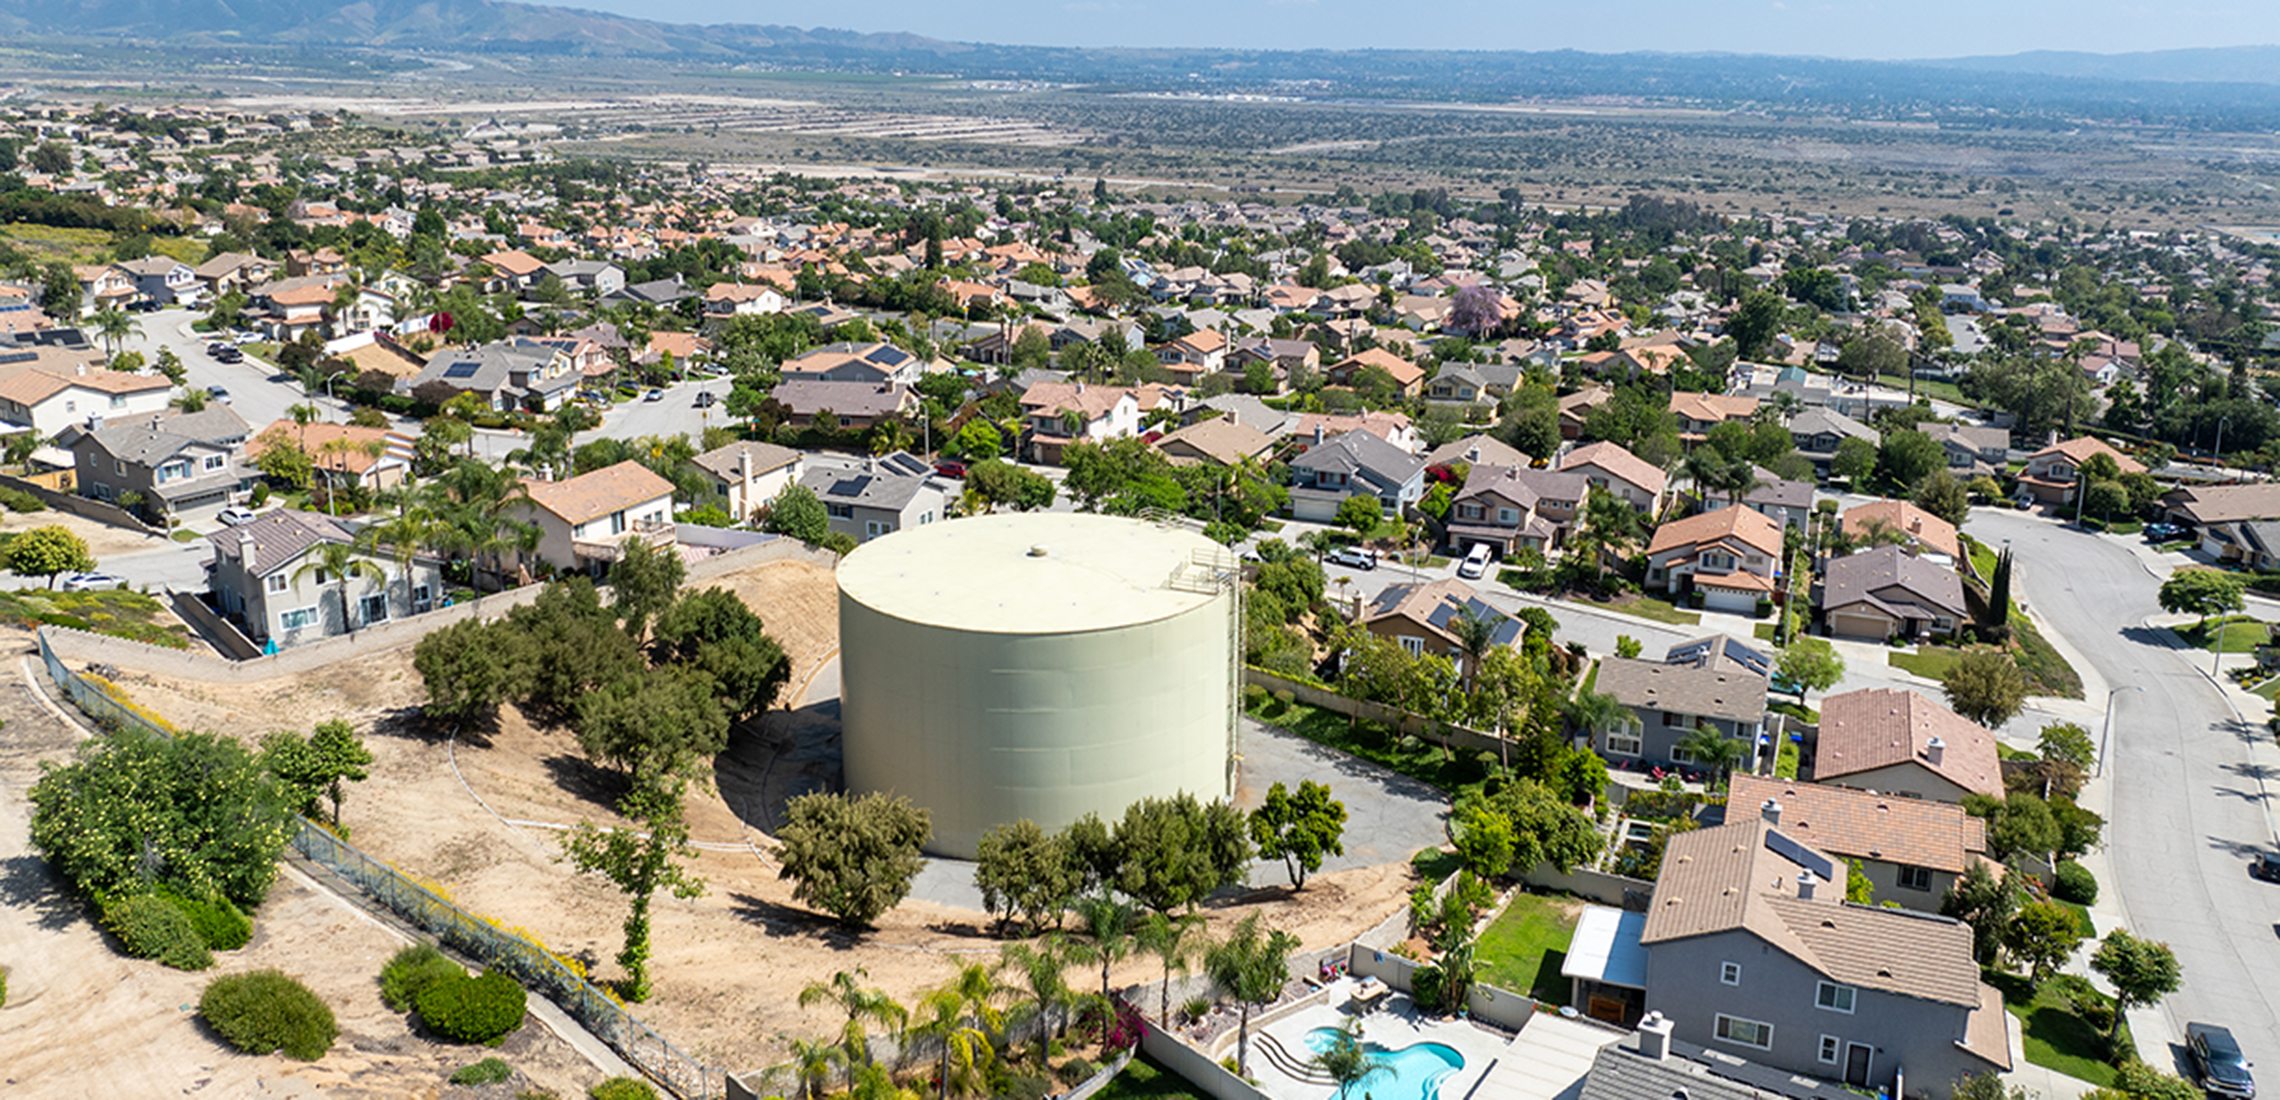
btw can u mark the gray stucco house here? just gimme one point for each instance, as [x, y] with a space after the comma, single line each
[171, 463]
[1357, 463]
[880, 497]
[1715, 683]
[261, 583]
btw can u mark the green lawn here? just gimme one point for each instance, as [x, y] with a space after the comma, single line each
[1930, 662]
[1424, 762]
[2046, 671]
[1648, 607]
[2269, 689]
[1147, 1079]
[1763, 632]
[1795, 710]
[1522, 951]
[1785, 764]
[2006, 752]
[2056, 1038]
[2241, 634]
[2173, 545]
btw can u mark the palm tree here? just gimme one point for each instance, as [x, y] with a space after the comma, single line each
[1592, 711]
[20, 447]
[1610, 525]
[964, 1046]
[403, 535]
[191, 400]
[1172, 940]
[339, 561]
[1346, 1062]
[1107, 924]
[1716, 751]
[860, 1003]
[1476, 635]
[113, 325]
[1252, 964]
[305, 414]
[1713, 472]
[1043, 969]
[812, 1063]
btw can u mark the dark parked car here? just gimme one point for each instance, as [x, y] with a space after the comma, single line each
[707, 399]
[228, 353]
[2265, 866]
[2162, 532]
[2217, 1062]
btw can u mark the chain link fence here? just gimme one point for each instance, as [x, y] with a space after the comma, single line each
[507, 950]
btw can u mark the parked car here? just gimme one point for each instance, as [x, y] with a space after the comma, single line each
[91, 582]
[2162, 532]
[2265, 866]
[228, 354]
[707, 399]
[1475, 563]
[654, 395]
[950, 468]
[235, 515]
[1354, 557]
[219, 393]
[2218, 1064]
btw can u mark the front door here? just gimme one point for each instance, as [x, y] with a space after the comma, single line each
[1857, 1057]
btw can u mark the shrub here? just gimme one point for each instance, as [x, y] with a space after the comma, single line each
[1194, 1007]
[1426, 986]
[220, 926]
[150, 927]
[473, 1010]
[1283, 700]
[17, 500]
[1254, 697]
[622, 1088]
[3, 987]
[2075, 883]
[1075, 1071]
[411, 971]
[267, 1011]
[489, 1071]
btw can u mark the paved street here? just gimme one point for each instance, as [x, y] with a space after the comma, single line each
[2185, 782]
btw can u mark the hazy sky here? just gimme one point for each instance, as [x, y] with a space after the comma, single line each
[1834, 28]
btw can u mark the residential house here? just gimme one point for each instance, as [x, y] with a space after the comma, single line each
[1971, 449]
[1472, 384]
[49, 389]
[1648, 1064]
[1473, 450]
[286, 308]
[1498, 507]
[662, 293]
[1753, 951]
[265, 581]
[1764, 382]
[726, 300]
[1899, 742]
[1194, 355]
[882, 496]
[851, 406]
[1886, 592]
[1393, 427]
[584, 521]
[744, 476]
[517, 373]
[170, 463]
[1925, 535]
[1408, 378]
[1697, 413]
[234, 272]
[1058, 414]
[101, 286]
[2218, 513]
[1912, 849]
[1217, 441]
[1732, 556]
[875, 363]
[163, 280]
[2051, 472]
[1819, 432]
[1576, 407]
[514, 270]
[374, 458]
[1606, 465]
[1668, 702]
[1422, 618]
[598, 277]
[1282, 357]
[1357, 463]
[1785, 502]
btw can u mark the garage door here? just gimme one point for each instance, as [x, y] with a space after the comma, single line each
[1726, 599]
[1313, 510]
[1873, 627]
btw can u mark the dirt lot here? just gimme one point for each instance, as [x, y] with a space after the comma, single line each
[729, 964]
[81, 1020]
[103, 540]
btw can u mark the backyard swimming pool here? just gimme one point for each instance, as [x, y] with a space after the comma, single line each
[1417, 1069]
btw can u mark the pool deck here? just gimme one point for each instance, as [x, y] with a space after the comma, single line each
[1546, 1061]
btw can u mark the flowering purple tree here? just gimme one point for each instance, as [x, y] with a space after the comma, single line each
[1476, 310]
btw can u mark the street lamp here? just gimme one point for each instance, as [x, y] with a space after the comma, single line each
[2106, 734]
[2219, 453]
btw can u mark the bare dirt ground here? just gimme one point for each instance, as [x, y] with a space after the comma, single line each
[728, 965]
[82, 1020]
[103, 540]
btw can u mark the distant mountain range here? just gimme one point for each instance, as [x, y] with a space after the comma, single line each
[2204, 88]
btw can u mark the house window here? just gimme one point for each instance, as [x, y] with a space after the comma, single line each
[1415, 646]
[1915, 878]
[1834, 997]
[374, 608]
[1748, 1033]
[298, 619]
[1679, 755]
[1624, 741]
[274, 582]
[1730, 973]
[1673, 720]
[1831, 1047]
[1507, 515]
[617, 523]
[421, 596]
[118, 401]
[840, 511]
[1468, 511]
[874, 528]
[216, 462]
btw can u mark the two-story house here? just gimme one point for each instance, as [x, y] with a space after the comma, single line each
[1697, 413]
[1606, 465]
[1666, 702]
[1732, 556]
[49, 389]
[262, 581]
[1282, 357]
[1194, 355]
[343, 454]
[1971, 449]
[159, 464]
[744, 476]
[1498, 507]
[1393, 427]
[596, 277]
[1472, 384]
[585, 521]
[1819, 432]
[1912, 849]
[1788, 503]
[1751, 949]
[519, 373]
[2052, 472]
[850, 406]
[1408, 378]
[882, 496]
[1422, 618]
[234, 272]
[163, 280]
[1354, 464]
[727, 300]
[1885, 592]
[1217, 441]
[1058, 414]
[876, 363]
[1899, 742]
[1923, 534]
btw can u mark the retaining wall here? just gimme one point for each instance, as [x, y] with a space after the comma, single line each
[1314, 695]
[83, 507]
[1194, 1065]
[1599, 886]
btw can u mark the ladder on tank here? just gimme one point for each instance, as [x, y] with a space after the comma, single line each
[1209, 573]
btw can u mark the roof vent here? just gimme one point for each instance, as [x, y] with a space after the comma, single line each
[1933, 749]
[1038, 550]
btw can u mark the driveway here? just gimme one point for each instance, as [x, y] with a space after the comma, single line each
[2185, 782]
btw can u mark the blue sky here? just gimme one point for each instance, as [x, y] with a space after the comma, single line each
[1888, 29]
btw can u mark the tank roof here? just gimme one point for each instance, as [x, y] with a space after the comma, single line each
[984, 575]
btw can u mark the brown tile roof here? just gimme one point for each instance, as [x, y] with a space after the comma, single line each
[1895, 583]
[316, 440]
[517, 263]
[1226, 440]
[1404, 372]
[1733, 694]
[599, 493]
[1092, 401]
[1618, 462]
[1861, 825]
[1878, 727]
[1745, 525]
[1712, 407]
[31, 385]
[2080, 448]
[1902, 516]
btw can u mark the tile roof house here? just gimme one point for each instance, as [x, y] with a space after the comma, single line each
[1699, 412]
[171, 462]
[1504, 507]
[1058, 414]
[1393, 427]
[1971, 449]
[1422, 618]
[1194, 355]
[1885, 592]
[1357, 463]
[1474, 450]
[1666, 702]
[1576, 407]
[163, 280]
[2215, 508]
[745, 476]
[261, 582]
[584, 521]
[1650, 1065]
[1912, 849]
[1899, 742]
[1928, 536]
[1785, 502]
[343, 451]
[1408, 377]
[517, 373]
[856, 405]
[1218, 441]
[1608, 466]
[726, 300]
[882, 496]
[49, 389]
[2050, 472]
[1732, 556]
[1753, 951]
[873, 362]
[1819, 432]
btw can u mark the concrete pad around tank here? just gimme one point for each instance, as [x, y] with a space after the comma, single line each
[1389, 816]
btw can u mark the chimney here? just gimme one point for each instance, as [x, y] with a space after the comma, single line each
[1654, 1036]
[744, 465]
[1317, 433]
[1771, 811]
[1932, 751]
[245, 549]
[1805, 884]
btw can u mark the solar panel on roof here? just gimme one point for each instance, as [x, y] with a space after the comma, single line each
[1798, 854]
[461, 370]
[888, 354]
